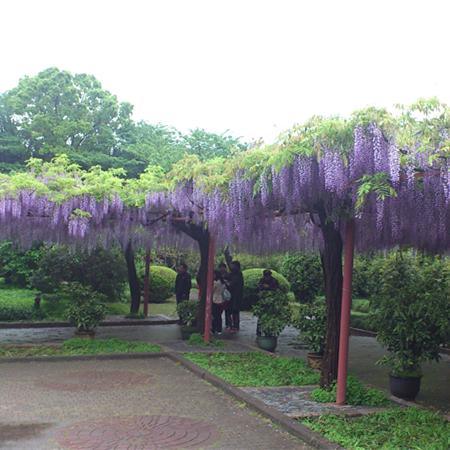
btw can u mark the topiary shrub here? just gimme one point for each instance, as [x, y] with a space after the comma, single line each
[304, 272]
[251, 279]
[162, 283]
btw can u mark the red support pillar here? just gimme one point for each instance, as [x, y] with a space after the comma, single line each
[349, 245]
[209, 287]
[146, 282]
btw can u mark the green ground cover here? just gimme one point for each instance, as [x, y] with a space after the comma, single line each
[357, 394]
[256, 369]
[17, 304]
[396, 428]
[77, 346]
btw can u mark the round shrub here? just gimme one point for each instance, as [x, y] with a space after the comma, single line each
[251, 280]
[304, 272]
[162, 283]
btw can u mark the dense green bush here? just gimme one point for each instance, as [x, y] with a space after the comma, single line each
[162, 283]
[104, 271]
[253, 261]
[86, 307]
[251, 280]
[16, 266]
[304, 272]
[311, 321]
[273, 312]
[367, 274]
[411, 310]
[15, 312]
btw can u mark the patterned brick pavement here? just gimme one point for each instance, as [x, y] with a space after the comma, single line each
[151, 404]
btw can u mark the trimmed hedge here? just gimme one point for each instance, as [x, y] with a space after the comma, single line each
[162, 283]
[251, 280]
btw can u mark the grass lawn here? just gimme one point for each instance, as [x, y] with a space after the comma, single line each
[16, 304]
[79, 346]
[256, 369]
[396, 428]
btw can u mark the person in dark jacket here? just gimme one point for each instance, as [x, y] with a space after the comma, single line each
[183, 283]
[266, 283]
[235, 285]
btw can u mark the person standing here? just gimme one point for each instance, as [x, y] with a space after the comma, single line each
[183, 283]
[236, 287]
[218, 302]
[266, 283]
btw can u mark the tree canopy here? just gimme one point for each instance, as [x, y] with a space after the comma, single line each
[56, 112]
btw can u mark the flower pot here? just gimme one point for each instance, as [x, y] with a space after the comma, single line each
[406, 388]
[315, 360]
[186, 332]
[85, 334]
[268, 343]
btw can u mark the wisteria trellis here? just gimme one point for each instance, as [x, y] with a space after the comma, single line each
[272, 211]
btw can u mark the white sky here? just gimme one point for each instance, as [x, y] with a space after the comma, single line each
[254, 67]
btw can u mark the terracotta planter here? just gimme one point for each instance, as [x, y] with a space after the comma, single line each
[406, 388]
[85, 334]
[315, 360]
[187, 332]
[268, 343]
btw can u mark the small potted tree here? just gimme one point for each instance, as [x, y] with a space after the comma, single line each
[273, 313]
[411, 312]
[312, 324]
[86, 309]
[187, 312]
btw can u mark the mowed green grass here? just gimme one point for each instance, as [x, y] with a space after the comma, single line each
[256, 369]
[17, 304]
[77, 346]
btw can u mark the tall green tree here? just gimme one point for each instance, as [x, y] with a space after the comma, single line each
[208, 145]
[58, 112]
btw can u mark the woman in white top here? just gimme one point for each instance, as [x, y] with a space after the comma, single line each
[218, 302]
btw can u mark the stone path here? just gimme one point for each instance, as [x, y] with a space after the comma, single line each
[123, 404]
[295, 402]
[364, 352]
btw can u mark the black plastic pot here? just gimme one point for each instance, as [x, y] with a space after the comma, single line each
[268, 343]
[406, 388]
[187, 332]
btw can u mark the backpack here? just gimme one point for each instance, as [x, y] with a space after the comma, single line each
[226, 295]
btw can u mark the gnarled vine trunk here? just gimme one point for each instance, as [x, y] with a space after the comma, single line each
[331, 257]
[133, 280]
[199, 233]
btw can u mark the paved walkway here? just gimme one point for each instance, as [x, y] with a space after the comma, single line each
[125, 404]
[364, 352]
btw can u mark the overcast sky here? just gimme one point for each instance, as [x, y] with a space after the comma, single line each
[254, 67]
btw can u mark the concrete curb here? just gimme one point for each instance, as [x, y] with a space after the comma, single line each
[302, 432]
[101, 357]
[109, 323]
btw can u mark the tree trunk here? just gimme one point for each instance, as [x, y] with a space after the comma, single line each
[147, 282]
[199, 233]
[133, 280]
[203, 245]
[331, 257]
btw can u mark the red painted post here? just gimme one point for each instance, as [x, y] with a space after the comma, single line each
[146, 282]
[349, 246]
[209, 287]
